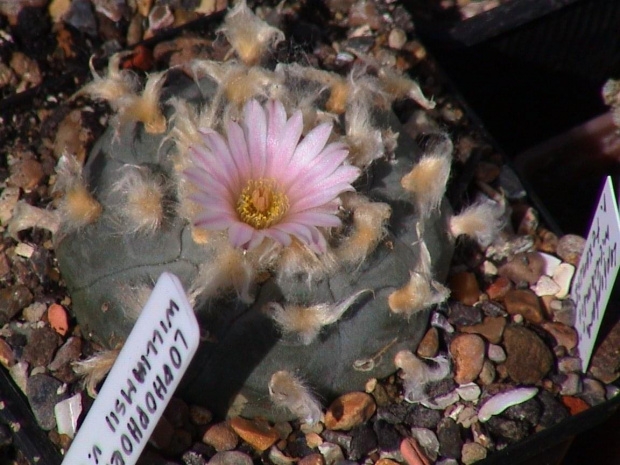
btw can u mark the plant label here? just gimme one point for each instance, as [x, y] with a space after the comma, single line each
[597, 271]
[141, 382]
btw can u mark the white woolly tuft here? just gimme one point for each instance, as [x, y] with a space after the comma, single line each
[116, 83]
[25, 216]
[143, 192]
[416, 374]
[307, 322]
[364, 140]
[421, 292]
[144, 108]
[427, 179]
[95, 368]
[399, 86]
[289, 392]
[249, 36]
[369, 227]
[481, 221]
[77, 207]
[227, 270]
[298, 259]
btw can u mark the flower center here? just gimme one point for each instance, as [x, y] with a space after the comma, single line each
[261, 204]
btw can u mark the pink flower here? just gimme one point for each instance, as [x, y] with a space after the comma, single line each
[262, 181]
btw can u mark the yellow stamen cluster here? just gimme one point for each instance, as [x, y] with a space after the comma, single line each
[261, 203]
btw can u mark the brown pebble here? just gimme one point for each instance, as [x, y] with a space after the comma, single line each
[499, 288]
[429, 345]
[313, 440]
[313, 459]
[26, 174]
[231, 457]
[468, 354]
[472, 452]
[58, 319]
[349, 410]
[199, 415]
[488, 373]
[7, 358]
[548, 241]
[528, 267]
[605, 365]
[528, 359]
[563, 335]
[570, 248]
[525, 303]
[413, 453]
[68, 353]
[464, 287]
[41, 346]
[491, 328]
[12, 300]
[221, 437]
[257, 433]
[386, 462]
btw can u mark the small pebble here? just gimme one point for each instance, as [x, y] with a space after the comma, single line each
[464, 287]
[551, 263]
[221, 437]
[545, 286]
[491, 328]
[525, 303]
[67, 413]
[438, 320]
[43, 393]
[499, 288]
[69, 352]
[363, 441]
[257, 433]
[528, 359]
[349, 410]
[231, 458]
[387, 437]
[571, 385]
[443, 401]
[312, 459]
[7, 357]
[564, 311]
[12, 300]
[509, 430]
[422, 417]
[449, 436]
[42, 343]
[472, 452]
[34, 312]
[564, 335]
[527, 267]
[429, 345]
[488, 373]
[496, 353]
[332, 453]
[570, 247]
[199, 415]
[467, 351]
[469, 392]
[427, 439]
[397, 38]
[413, 453]
[58, 319]
[575, 405]
[563, 277]
[593, 391]
[569, 365]
[464, 315]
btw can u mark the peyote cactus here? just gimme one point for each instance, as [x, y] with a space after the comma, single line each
[310, 232]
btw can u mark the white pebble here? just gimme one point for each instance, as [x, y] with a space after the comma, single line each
[496, 353]
[545, 286]
[500, 402]
[24, 250]
[441, 402]
[67, 413]
[469, 392]
[563, 276]
[428, 440]
[551, 263]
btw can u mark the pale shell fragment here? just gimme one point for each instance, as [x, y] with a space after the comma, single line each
[500, 402]
[67, 413]
[563, 277]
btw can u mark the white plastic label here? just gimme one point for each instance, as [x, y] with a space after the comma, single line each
[597, 271]
[141, 382]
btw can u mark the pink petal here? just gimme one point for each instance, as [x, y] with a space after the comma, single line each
[309, 148]
[320, 171]
[299, 230]
[204, 182]
[239, 150]
[239, 234]
[319, 197]
[224, 164]
[286, 148]
[278, 236]
[276, 122]
[257, 238]
[212, 203]
[255, 123]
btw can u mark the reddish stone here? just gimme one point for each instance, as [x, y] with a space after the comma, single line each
[464, 287]
[575, 405]
[498, 288]
[525, 303]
